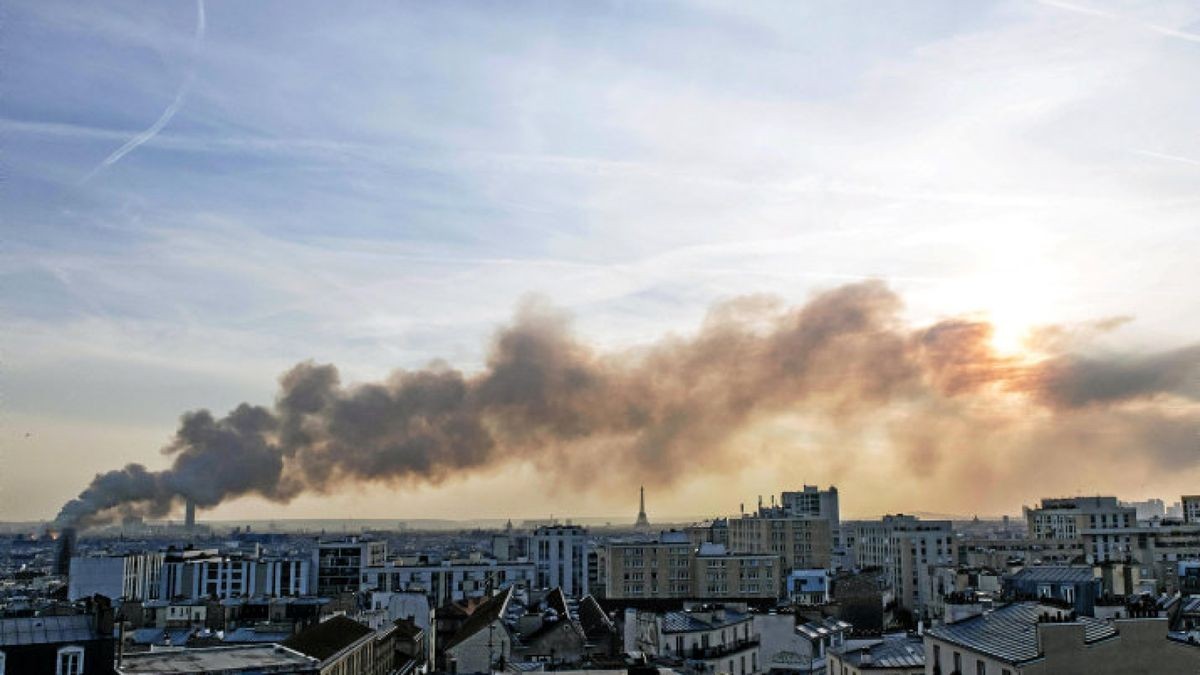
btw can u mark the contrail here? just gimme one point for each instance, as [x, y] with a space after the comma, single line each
[166, 115]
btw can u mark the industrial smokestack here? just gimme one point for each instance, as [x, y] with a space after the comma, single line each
[189, 515]
[66, 549]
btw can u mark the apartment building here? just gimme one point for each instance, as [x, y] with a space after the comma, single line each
[340, 564]
[1063, 522]
[908, 549]
[450, 580]
[800, 541]
[671, 567]
[560, 555]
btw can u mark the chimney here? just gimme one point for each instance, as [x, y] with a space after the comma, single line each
[189, 515]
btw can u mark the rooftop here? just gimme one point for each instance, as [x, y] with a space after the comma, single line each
[219, 660]
[1010, 633]
[1056, 574]
[328, 637]
[46, 630]
[893, 651]
[683, 622]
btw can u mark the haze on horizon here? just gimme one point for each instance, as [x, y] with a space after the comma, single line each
[200, 196]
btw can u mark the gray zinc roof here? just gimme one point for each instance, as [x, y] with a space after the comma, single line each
[46, 630]
[896, 651]
[684, 622]
[1055, 574]
[1010, 633]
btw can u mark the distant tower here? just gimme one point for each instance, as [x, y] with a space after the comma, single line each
[189, 515]
[643, 523]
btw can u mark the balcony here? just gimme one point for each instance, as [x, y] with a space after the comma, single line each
[719, 651]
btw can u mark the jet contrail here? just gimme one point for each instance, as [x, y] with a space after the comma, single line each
[166, 115]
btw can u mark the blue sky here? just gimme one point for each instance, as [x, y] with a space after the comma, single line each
[378, 184]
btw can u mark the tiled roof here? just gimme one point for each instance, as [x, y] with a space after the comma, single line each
[46, 630]
[685, 622]
[593, 619]
[1010, 633]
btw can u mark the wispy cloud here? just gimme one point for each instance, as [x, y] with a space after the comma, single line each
[165, 117]
[1114, 16]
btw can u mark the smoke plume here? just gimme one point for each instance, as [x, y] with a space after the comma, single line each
[938, 399]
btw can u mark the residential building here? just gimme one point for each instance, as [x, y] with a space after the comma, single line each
[1076, 587]
[786, 647]
[908, 549]
[482, 643]
[1064, 521]
[76, 644]
[708, 639]
[801, 542]
[210, 574]
[560, 555]
[131, 576]
[449, 580]
[1191, 508]
[1028, 638]
[340, 565]
[670, 567]
[343, 646]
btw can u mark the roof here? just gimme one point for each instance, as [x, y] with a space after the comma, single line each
[483, 616]
[1010, 633]
[893, 651]
[216, 660]
[685, 622]
[593, 619]
[1057, 574]
[816, 629]
[253, 634]
[328, 637]
[36, 630]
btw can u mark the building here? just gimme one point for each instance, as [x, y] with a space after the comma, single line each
[1191, 508]
[446, 581]
[1073, 586]
[560, 556]
[132, 576]
[1148, 510]
[707, 639]
[340, 565]
[210, 574]
[1064, 522]
[77, 644]
[1027, 638]
[482, 643]
[908, 549]
[671, 567]
[786, 647]
[889, 655]
[800, 542]
[343, 646]
[808, 587]
[268, 659]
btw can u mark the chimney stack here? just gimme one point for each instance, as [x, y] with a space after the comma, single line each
[189, 515]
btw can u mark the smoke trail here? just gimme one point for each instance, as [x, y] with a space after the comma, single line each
[177, 103]
[940, 397]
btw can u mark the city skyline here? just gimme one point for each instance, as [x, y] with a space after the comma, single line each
[202, 196]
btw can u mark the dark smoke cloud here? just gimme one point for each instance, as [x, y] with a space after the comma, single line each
[940, 396]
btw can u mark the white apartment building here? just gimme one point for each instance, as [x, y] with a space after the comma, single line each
[908, 549]
[445, 581]
[560, 555]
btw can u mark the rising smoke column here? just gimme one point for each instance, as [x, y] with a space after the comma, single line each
[939, 396]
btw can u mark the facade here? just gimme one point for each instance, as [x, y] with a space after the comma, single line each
[801, 542]
[671, 567]
[1027, 638]
[448, 581]
[908, 549]
[133, 576]
[1064, 522]
[709, 639]
[339, 565]
[482, 643]
[1191, 508]
[560, 556]
[80, 644]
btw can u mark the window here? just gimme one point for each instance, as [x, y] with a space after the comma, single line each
[980, 668]
[70, 661]
[958, 662]
[2, 658]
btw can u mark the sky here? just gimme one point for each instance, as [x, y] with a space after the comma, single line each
[199, 196]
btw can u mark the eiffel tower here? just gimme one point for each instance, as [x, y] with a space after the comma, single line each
[643, 523]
